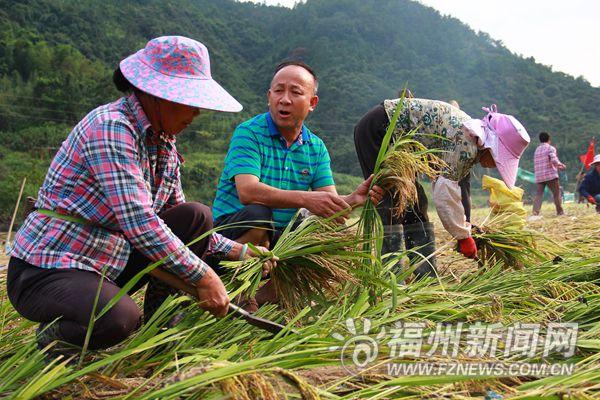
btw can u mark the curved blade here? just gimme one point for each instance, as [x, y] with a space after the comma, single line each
[178, 283]
[262, 323]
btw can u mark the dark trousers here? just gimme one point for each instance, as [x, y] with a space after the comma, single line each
[43, 295]
[539, 195]
[252, 216]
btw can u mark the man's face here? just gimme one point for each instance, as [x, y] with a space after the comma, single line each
[291, 98]
[597, 166]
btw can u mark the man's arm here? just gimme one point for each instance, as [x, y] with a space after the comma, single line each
[323, 201]
[359, 197]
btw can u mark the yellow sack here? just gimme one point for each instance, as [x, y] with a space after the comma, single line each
[505, 203]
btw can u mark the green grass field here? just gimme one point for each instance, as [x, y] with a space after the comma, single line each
[202, 358]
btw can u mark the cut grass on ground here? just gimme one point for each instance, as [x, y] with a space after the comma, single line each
[206, 359]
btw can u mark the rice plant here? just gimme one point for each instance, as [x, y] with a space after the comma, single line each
[405, 160]
[401, 159]
[207, 358]
[316, 259]
[515, 248]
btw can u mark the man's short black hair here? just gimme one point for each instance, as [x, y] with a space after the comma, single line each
[299, 64]
[544, 137]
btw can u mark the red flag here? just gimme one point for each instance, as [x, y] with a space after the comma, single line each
[588, 157]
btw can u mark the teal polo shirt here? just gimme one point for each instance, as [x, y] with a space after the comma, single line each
[257, 148]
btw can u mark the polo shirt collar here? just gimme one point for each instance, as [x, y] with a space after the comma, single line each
[304, 137]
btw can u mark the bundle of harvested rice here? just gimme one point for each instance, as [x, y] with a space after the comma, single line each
[405, 160]
[398, 164]
[315, 260]
[514, 248]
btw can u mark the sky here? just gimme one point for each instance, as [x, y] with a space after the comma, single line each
[562, 34]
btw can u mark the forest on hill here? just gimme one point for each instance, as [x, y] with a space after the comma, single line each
[57, 58]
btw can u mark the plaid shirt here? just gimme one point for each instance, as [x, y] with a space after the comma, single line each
[545, 163]
[112, 172]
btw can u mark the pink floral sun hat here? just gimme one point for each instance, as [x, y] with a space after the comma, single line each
[506, 138]
[177, 69]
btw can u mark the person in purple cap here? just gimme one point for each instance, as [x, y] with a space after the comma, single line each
[496, 140]
[112, 203]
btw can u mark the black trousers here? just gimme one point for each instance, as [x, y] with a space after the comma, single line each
[252, 216]
[44, 295]
[368, 136]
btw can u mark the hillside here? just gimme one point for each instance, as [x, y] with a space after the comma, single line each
[56, 58]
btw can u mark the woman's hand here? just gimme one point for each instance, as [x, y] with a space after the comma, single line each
[467, 247]
[212, 295]
[269, 264]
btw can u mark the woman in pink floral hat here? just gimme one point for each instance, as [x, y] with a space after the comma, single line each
[112, 203]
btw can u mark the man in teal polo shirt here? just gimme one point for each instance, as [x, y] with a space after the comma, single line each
[276, 165]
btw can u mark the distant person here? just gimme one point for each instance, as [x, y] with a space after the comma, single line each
[546, 166]
[497, 140]
[590, 186]
[112, 203]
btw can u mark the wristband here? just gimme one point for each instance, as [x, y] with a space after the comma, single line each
[244, 251]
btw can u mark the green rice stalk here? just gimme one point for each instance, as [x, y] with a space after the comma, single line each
[90, 327]
[370, 227]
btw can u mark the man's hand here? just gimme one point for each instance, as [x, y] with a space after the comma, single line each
[591, 199]
[269, 264]
[467, 247]
[359, 196]
[562, 167]
[212, 295]
[325, 204]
